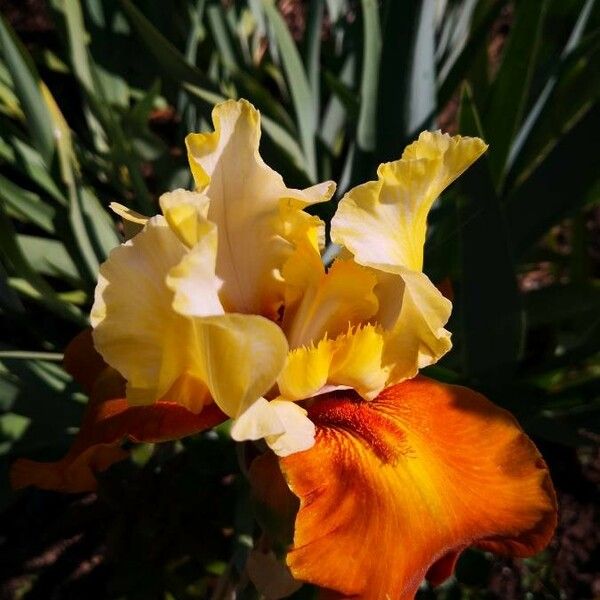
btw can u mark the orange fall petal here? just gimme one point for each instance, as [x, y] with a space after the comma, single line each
[398, 487]
[107, 422]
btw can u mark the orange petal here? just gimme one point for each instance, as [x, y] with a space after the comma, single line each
[82, 361]
[405, 482]
[109, 420]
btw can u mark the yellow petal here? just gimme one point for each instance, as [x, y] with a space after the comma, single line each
[229, 358]
[354, 359]
[418, 337]
[186, 213]
[384, 222]
[135, 329]
[193, 280]
[306, 371]
[239, 358]
[245, 198]
[328, 303]
[133, 222]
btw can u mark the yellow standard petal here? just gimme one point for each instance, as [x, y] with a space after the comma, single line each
[135, 328]
[383, 222]
[232, 359]
[383, 225]
[246, 198]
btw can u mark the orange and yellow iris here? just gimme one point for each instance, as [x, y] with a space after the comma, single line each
[221, 308]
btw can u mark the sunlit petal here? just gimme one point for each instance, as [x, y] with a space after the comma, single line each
[395, 484]
[383, 223]
[239, 358]
[245, 200]
[327, 303]
[193, 280]
[135, 328]
[186, 213]
[418, 338]
[283, 424]
[353, 359]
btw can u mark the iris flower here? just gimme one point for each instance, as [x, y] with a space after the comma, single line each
[221, 308]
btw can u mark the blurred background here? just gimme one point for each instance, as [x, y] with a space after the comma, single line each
[96, 97]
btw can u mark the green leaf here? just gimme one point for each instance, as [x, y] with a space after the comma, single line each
[302, 97]
[221, 35]
[48, 257]
[166, 55]
[406, 100]
[26, 206]
[9, 300]
[342, 106]
[566, 98]
[366, 132]
[557, 187]
[99, 225]
[509, 92]
[13, 254]
[314, 25]
[489, 300]
[457, 71]
[27, 86]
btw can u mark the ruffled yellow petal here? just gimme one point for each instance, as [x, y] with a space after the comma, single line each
[352, 360]
[135, 328]
[245, 200]
[193, 280]
[383, 222]
[186, 213]
[229, 358]
[326, 303]
[418, 338]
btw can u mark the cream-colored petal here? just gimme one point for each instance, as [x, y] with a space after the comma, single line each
[239, 358]
[284, 425]
[186, 213]
[193, 280]
[383, 223]
[256, 422]
[135, 328]
[299, 434]
[418, 337]
[245, 198]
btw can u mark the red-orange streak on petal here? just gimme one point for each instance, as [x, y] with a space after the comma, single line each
[109, 420]
[401, 484]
